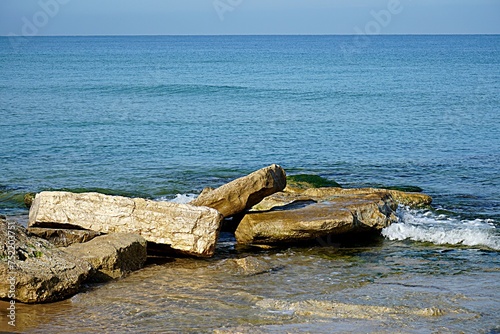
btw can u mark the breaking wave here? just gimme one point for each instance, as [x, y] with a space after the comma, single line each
[179, 198]
[427, 226]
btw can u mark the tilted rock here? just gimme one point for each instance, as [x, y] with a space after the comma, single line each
[32, 270]
[63, 237]
[184, 228]
[332, 215]
[243, 193]
[111, 256]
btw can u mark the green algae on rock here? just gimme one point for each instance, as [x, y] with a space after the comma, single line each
[305, 181]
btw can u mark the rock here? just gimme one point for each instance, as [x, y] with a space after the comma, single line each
[295, 183]
[304, 214]
[32, 270]
[111, 256]
[413, 200]
[335, 310]
[63, 237]
[205, 191]
[325, 194]
[246, 266]
[281, 199]
[332, 215]
[243, 193]
[28, 199]
[184, 228]
[403, 198]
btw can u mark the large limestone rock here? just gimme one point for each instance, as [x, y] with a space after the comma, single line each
[243, 193]
[184, 228]
[63, 237]
[335, 214]
[111, 256]
[32, 270]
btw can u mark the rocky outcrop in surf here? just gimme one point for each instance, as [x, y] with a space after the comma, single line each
[92, 237]
[302, 218]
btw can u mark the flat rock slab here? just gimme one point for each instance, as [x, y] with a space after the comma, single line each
[111, 256]
[35, 269]
[342, 214]
[284, 198]
[185, 228]
[243, 193]
[400, 197]
[63, 237]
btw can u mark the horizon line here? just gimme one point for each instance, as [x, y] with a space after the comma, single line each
[286, 34]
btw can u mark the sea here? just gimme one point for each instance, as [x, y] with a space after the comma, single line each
[162, 117]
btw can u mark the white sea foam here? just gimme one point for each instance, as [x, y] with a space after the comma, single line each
[425, 226]
[180, 198]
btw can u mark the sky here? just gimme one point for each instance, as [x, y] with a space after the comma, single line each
[241, 17]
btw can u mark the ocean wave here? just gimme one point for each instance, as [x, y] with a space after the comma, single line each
[440, 229]
[160, 89]
[179, 198]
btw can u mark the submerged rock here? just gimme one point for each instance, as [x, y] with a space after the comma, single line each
[336, 310]
[28, 199]
[317, 218]
[296, 183]
[32, 270]
[246, 266]
[111, 256]
[63, 237]
[185, 228]
[243, 193]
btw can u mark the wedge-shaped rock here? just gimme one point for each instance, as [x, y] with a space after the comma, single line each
[111, 256]
[32, 270]
[243, 193]
[184, 228]
[348, 213]
[63, 237]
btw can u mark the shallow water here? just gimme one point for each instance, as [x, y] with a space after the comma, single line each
[383, 286]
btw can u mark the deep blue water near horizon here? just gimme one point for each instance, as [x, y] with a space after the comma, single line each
[157, 116]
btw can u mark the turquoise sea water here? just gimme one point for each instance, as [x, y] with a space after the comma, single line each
[165, 115]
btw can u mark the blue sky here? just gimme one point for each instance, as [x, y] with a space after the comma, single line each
[202, 17]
